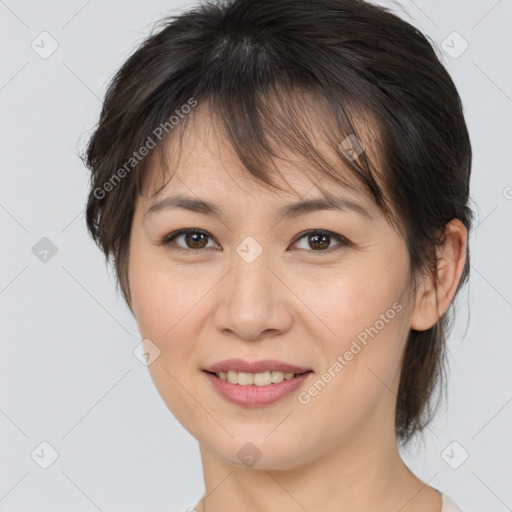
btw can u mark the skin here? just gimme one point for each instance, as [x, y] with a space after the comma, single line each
[295, 304]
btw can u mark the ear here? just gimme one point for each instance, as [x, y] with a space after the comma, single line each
[451, 260]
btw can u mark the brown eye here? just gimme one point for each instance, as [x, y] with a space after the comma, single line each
[193, 239]
[196, 240]
[319, 240]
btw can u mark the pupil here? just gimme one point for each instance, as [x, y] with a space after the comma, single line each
[192, 240]
[323, 243]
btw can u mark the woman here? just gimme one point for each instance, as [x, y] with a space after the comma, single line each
[283, 188]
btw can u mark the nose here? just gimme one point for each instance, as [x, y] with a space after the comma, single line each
[253, 301]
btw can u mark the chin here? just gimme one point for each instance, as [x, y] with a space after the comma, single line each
[260, 453]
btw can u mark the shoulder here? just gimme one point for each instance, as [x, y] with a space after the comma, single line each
[449, 505]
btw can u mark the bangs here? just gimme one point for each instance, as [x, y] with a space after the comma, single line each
[316, 134]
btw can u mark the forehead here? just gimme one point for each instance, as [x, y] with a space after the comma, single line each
[202, 157]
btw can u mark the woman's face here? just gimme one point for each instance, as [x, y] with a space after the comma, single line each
[251, 285]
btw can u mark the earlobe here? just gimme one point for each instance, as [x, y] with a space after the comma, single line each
[451, 258]
[424, 315]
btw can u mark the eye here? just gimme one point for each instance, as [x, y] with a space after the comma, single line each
[319, 240]
[194, 239]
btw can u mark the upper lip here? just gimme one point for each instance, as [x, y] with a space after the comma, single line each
[240, 365]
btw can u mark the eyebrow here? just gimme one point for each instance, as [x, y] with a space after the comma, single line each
[292, 210]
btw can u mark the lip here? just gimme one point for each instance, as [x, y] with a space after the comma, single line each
[240, 365]
[256, 396]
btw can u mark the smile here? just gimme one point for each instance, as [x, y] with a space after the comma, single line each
[255, 389]
[258, 379]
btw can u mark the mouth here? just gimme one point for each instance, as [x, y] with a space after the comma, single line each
[255, 390]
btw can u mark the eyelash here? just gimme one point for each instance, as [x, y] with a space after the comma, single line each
[167, 240]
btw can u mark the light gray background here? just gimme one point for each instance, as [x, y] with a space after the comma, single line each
[68, 374]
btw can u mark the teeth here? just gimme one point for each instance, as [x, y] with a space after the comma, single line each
[257, 379]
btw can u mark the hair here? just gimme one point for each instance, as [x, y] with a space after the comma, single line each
[255, 63]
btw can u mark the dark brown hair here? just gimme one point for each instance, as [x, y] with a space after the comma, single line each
[251, 61]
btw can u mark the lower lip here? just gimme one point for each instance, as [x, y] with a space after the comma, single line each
[256, 396]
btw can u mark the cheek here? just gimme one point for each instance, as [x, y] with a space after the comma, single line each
[163, 308]
[364, 321]
[361, 365]
[167, 300]
[353, 299]
[154, 297]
